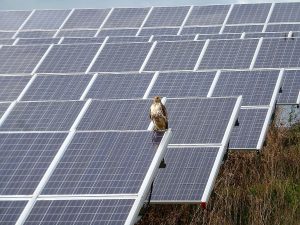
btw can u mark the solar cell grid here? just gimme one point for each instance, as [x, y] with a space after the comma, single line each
[59, 87]
[5, 34]
[12, 86]
[200, 30]
[10, 211]
[86, 18]
[184, 84]
[20, 59]
[12, 20]
[46, 19]
[73, 40]
[249, 13]
[127, 39]
[76, 33]
[290, 87]
[124, 57]
[117, 32]
[7, 41]
[228, 54]
[241, 29]
[266, 35]
[173, 38]
[3, 108]
[159, 31]
[278, 53]
[256, 87]
[118, 86]
[69, 58]
[174, 56]
[218, 36]
[126, 17]
[286, 12]
[103, 163]
[42, 116]
[25, 157]
[106, 212]
[283, 28]
[207, 15]
[37, 41]
[36, 34]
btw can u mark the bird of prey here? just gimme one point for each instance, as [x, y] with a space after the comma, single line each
[158, 114]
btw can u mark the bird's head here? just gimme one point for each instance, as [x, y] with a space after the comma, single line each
[156, 99]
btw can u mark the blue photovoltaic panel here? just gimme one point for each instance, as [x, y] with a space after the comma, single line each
[36, 34]
[199, 121]
[266, 35]
[25, 157]
[69, 58]
[207, 15]
[46, 19]
[86, 18]
[200, 30]
[159, 31]
[182, 84]
[57, 87]
[76, 33]
[167, 16]
[173, 38]
[88, 212]
[117, 32]
[125, 57]
[20, 59]
[247, 134]
[72, 40]
[10, 211]
[228, 54]
[256, 87]
[186, 174]
[127, 39]
[290, 87]
[5, 34]
[278, 53]
[12, 86]
[126, 17]
[104, 163]
[174, 56]
[249, 13]
[286, 12]
[218, 36]
[118, 86]
[116, 115]
[12, 20]
[3, 108]
[283, 28]
[244, 28]
[37, 41]
[7, 41]
[42, 116]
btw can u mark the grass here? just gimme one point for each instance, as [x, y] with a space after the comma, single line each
[251, 189]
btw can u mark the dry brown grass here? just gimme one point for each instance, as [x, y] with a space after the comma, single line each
[251, 189]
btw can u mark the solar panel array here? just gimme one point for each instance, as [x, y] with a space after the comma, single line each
[76, 87]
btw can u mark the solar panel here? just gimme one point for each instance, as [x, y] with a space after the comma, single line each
[46, 19]
[86, 18]
[278, 53]
[182, 84]
[167, 16]
[247, 134]
[186, 174]
[125, 57]
[3, 108]
[69, 58]
[10, 211]
[201, 30]
[218, 36]
[118, 86]
[103, 163]
[290, 87]
[159, 31]
[207, 15]
[228, 54]
[42, 116]
[6, 34]
[20, 59]
[12, 86]
[256, 87]
[37, 41]
[130, 115]
[283, 28]
[126, 17]
[36, 34]
[12, 20]
[72, 40]
[57, 87]
[108, 212]
[267, 35]
[286, 12]
[117, 32]
[127, 39]
[243, 28]
[7, 41]
[25, 157]
[249, 13]
[76, 33]
[173, 38]
[174, 56]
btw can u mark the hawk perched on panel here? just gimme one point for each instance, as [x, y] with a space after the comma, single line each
[158, 114]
